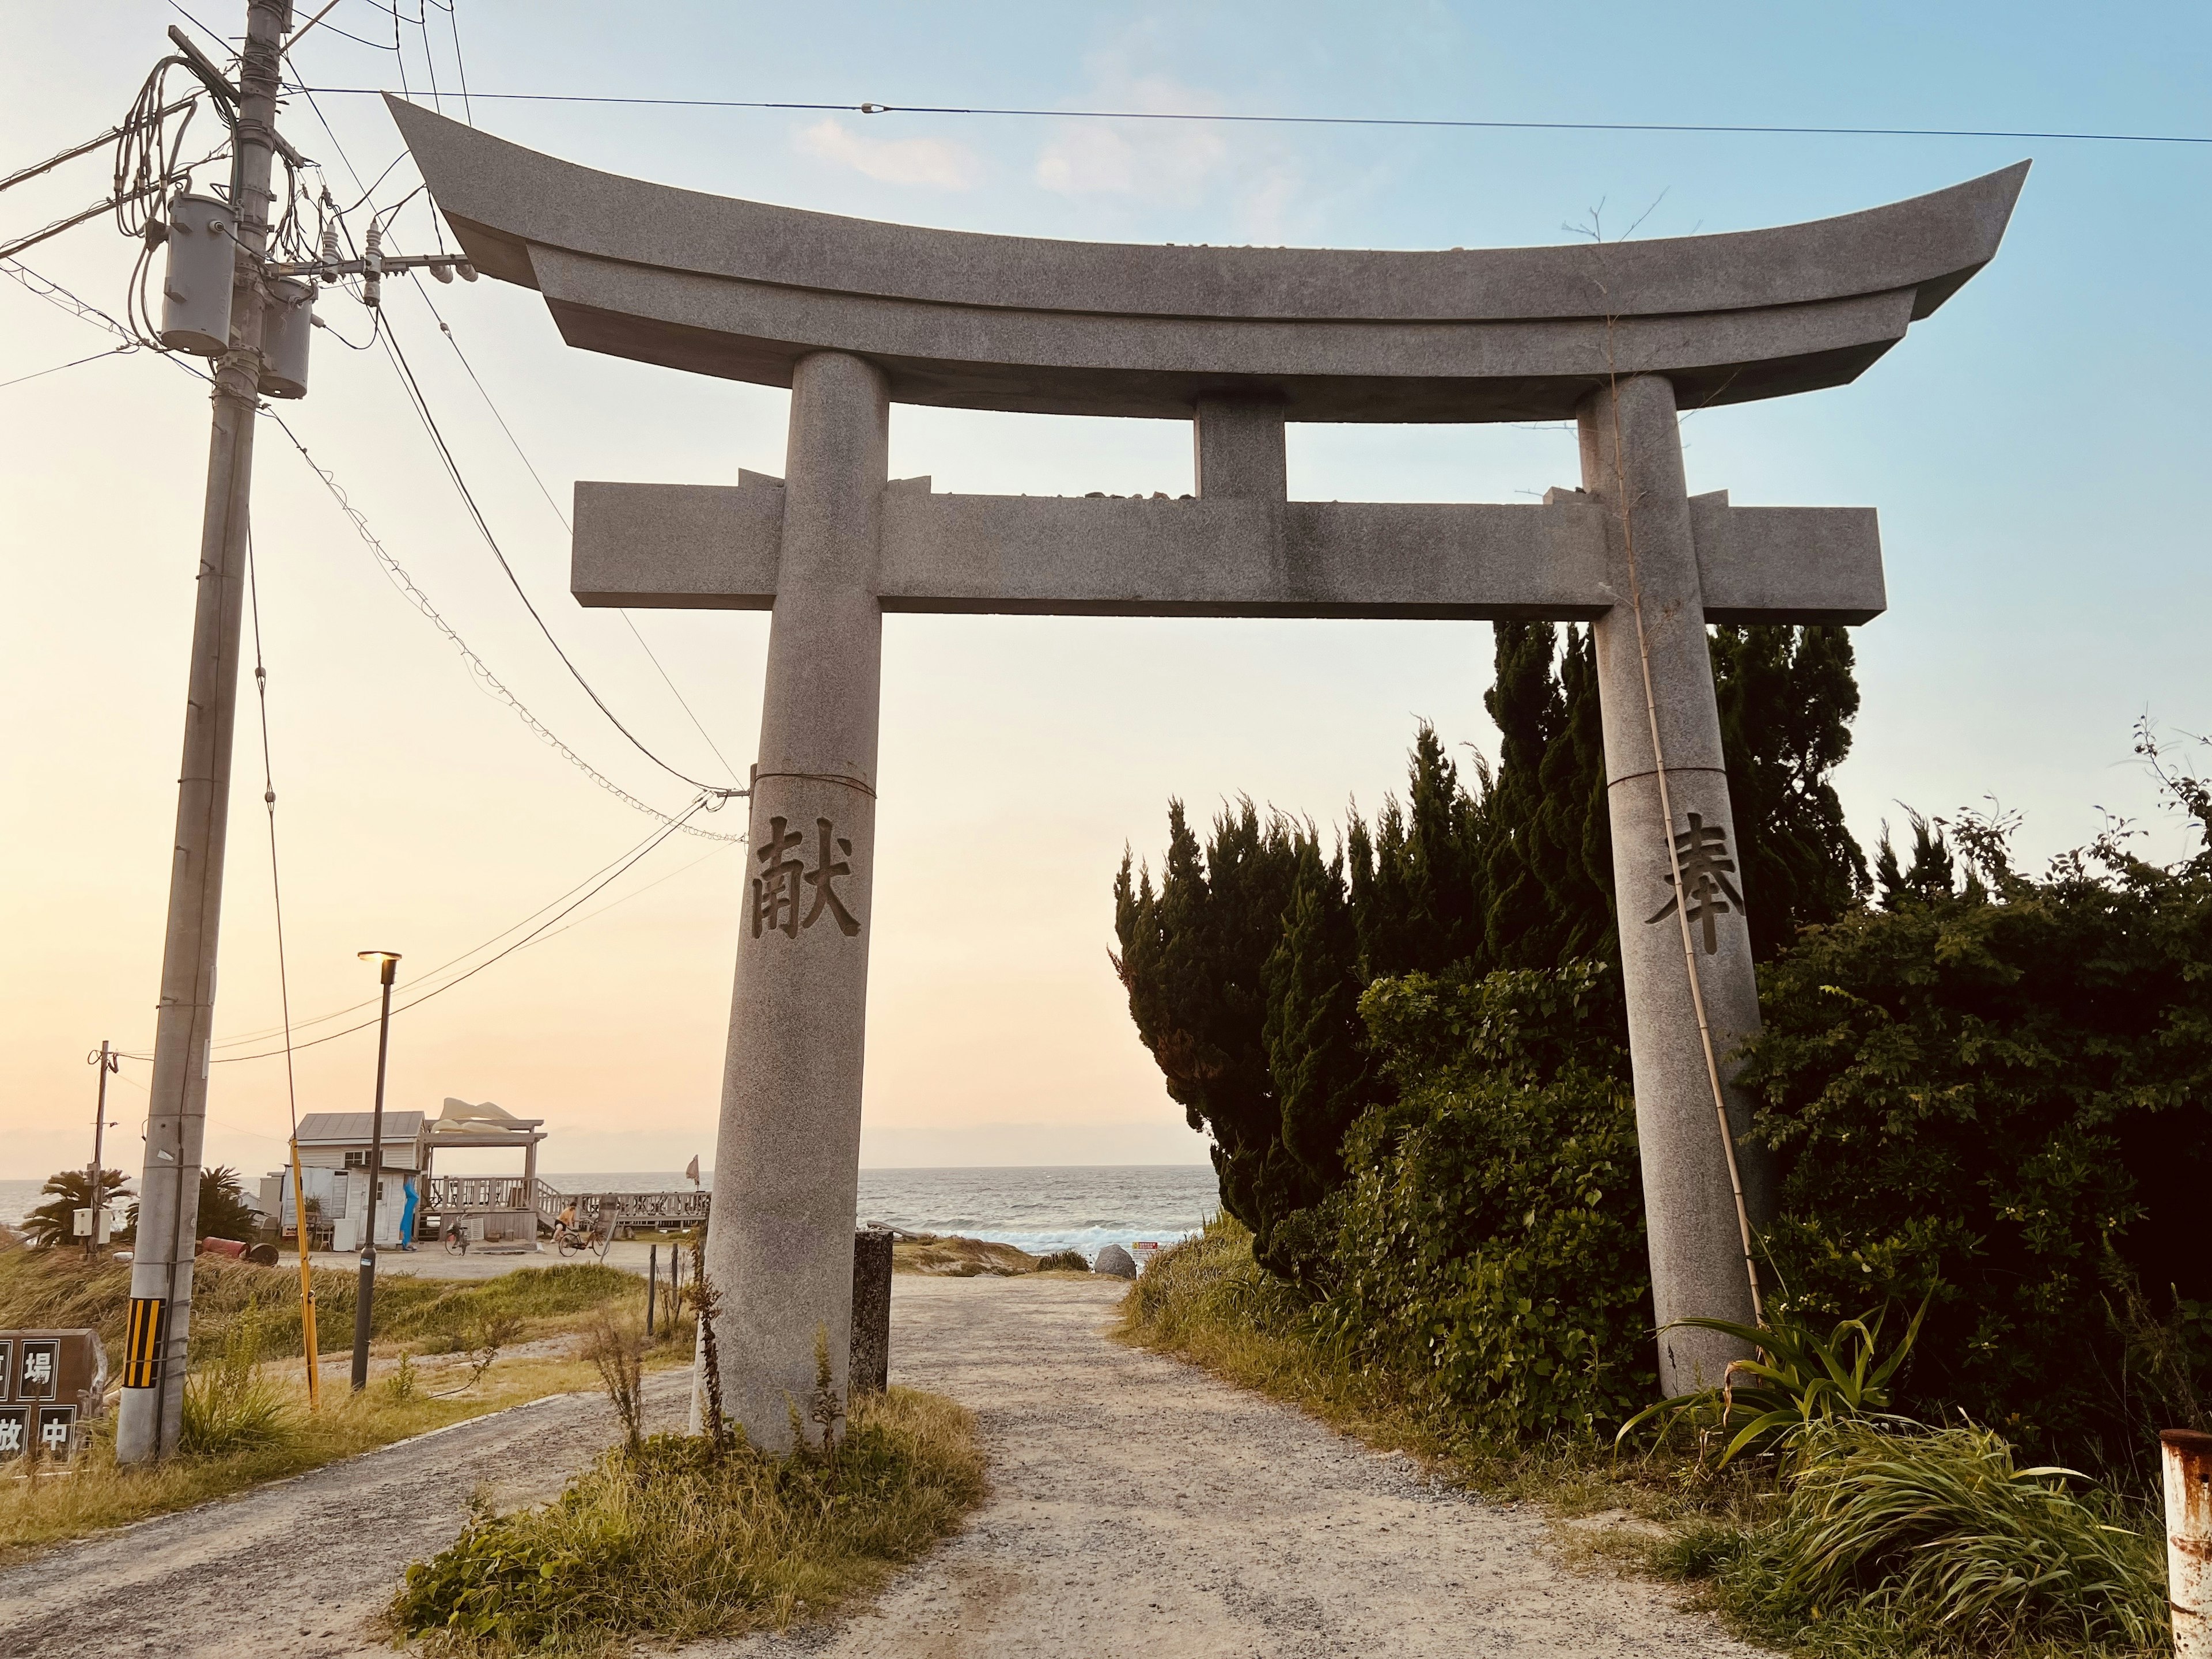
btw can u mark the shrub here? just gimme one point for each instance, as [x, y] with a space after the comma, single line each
[1491, 1240]
[2005, 1090]
[1070, 1262]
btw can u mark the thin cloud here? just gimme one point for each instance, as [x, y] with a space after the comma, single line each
[934, 163]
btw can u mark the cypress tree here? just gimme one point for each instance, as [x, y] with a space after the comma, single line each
[1520, 927]
[1315, 1044]
[1787, 696]
[1577, 871]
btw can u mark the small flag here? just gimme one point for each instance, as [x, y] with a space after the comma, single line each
[691, 1171]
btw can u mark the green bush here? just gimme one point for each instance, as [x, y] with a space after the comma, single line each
[2004, 1095]
[1491, 1240]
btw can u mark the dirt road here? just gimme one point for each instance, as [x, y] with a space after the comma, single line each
[297, 1569]
[1138, 1507]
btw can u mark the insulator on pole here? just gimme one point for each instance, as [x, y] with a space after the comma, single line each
[371, 285]
[330, 248]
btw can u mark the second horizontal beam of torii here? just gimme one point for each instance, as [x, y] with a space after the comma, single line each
[708, 546]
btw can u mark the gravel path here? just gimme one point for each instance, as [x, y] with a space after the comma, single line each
[298, 1568]
[1141, 1507]
[1138, 1507]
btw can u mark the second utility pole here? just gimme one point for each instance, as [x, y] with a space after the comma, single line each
[169, 1191]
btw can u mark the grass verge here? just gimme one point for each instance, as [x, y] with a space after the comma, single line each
[48, 1505]
[954, 1257]
[667, 1542]
[49, 1288]
[1880, 1545]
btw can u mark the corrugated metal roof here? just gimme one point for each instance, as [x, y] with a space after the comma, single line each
[353, 1127]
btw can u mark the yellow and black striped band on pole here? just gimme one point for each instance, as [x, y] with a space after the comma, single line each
[143, 1336]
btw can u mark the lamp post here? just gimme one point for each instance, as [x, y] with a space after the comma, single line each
[387, 961]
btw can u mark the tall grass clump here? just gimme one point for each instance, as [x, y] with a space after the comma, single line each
[229, 1406]
[1939, 1542]
[674, 1539]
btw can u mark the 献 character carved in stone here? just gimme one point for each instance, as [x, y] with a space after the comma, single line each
[779, 887]
[1706, 864]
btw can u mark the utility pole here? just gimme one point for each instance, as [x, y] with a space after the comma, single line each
[168, 1202]
[108, 1060]
[365, 1298]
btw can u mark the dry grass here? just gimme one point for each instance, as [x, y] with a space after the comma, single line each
[47, 1288]
[960, 1258]
[246, 1418]
[668, 1542]
[95, 1494]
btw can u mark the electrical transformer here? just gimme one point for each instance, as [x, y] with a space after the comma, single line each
[286, 320]
[196, 288]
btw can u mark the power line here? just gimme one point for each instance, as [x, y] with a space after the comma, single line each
[269, 800]
[246, 1038]
[1436, 123]
[54, 294]
[421, 407]
[484, 528]
[399, 578]
[125, 349]
[652, 842]
[523, 455]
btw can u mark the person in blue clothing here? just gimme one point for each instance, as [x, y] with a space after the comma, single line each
[407, 1214]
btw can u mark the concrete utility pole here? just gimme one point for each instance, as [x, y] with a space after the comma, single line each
[107, 1060]
[168, 1202]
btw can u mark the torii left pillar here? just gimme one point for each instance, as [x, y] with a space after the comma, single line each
[786, 1159]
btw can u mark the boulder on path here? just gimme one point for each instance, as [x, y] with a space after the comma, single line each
[1114, 1261]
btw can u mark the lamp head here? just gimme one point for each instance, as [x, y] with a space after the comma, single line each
[387, 961]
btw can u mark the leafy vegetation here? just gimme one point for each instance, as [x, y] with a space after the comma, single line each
[1491, 1243]
[1992, 1091]
[671, 1541]
[1799, 1382]
[1936, 1542]
[1246, 958]
[54, 1221]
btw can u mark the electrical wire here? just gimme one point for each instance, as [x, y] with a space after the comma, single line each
[421, 404]
[54, 295]
[484, 528]
[125, 349]
[652, 842]
[522, 455]
[1437, 123]
[406, 584]
[269, 800]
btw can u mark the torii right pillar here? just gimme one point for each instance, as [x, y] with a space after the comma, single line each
[1663, 742]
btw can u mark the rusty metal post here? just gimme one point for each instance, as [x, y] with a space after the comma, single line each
[2188, 1456]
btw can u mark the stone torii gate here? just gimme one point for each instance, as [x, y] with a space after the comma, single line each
[854, 316]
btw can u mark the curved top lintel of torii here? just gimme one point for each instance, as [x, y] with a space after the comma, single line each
[717, 285]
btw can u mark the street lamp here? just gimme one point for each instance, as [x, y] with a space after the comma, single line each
[387, 961]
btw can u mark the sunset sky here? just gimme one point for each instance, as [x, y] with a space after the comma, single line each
[2037, 450]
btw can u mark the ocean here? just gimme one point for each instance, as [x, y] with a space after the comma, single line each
[1042, 1209]
[1050, 1207]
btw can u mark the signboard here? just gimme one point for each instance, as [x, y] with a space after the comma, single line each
[51, 1383]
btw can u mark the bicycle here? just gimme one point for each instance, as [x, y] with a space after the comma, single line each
[457, 1239]
[580, 1240]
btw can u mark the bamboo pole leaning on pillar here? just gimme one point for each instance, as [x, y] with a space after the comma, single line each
[307, 1284]
[2188, 1460]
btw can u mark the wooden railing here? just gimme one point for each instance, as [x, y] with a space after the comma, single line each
[475, 1194]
